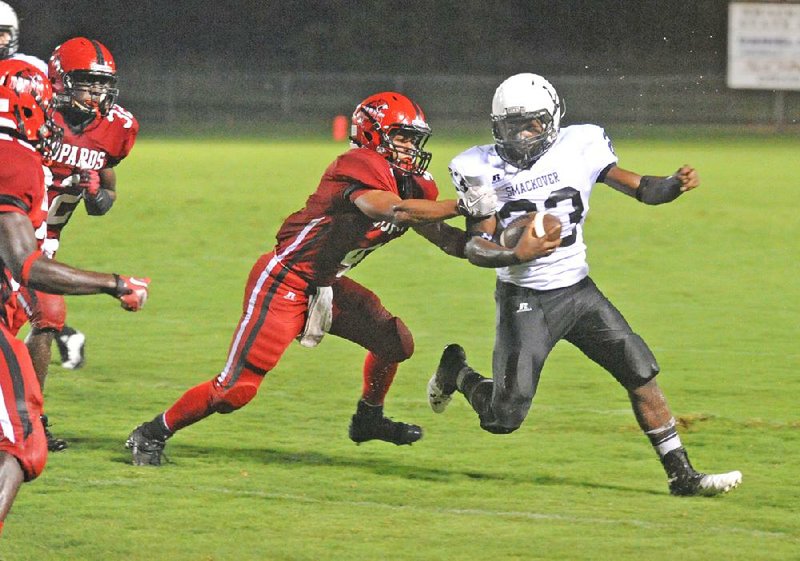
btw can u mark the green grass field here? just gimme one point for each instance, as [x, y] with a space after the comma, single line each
[709, 281]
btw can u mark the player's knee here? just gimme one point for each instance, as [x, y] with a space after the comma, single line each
[641, 362]
[235, 397]
[396, 343]
[507, 417]
[49, 312]
[498, 429]
[228, 399]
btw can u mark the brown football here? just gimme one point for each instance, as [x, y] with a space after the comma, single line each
[550, 228]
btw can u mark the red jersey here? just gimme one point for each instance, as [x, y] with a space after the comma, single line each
[21, 188]
[102, 144]
[330, 235]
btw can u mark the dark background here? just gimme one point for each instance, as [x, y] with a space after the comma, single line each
[453, 37]
[262, 66]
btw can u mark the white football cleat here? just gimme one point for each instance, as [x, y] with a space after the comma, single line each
[718, 483]
[706, 485]
[442, 384]
[437, 399]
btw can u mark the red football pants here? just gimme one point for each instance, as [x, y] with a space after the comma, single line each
[21, 430]
[274, 313]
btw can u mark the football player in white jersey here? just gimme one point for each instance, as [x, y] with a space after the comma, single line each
[9, 38]
[544, 293]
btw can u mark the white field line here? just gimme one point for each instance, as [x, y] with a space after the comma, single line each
[525, 515]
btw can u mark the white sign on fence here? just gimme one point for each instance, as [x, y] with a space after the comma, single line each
[764, 46]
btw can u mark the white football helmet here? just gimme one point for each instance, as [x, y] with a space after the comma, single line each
[9, 24]
[526, 115]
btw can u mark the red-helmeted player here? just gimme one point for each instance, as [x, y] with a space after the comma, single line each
[98, 134]
[26, 136]
[367, 197]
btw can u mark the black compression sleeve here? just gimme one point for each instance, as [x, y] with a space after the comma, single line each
[99, 204]
[658, 190]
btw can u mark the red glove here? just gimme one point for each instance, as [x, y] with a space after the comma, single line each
[90, 181]
[132, 292]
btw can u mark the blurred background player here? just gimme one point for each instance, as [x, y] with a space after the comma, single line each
[9, 39]
[26, 136]
[544, 293]
[70, 341]
[23, 77]
[367, 197]
[98, 134]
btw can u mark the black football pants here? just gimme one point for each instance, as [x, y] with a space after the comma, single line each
[529, 323]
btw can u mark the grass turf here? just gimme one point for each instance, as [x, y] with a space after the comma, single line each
[708, 281]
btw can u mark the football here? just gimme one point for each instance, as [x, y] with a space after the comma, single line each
[545, 226]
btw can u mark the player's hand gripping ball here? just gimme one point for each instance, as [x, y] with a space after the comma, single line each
[545, 226]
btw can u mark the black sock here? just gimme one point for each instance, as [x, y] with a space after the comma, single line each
[677, 465]
[477, 389]
[156, 429]
[364, 408]
[66, 331]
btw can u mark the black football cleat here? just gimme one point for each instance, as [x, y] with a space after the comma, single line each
[377, 427]
[685, 481]
[145, 451]
[53, 444]
[703, 484]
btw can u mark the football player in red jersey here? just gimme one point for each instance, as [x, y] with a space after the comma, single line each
[366, 198]
[98, 134]
[26, 136]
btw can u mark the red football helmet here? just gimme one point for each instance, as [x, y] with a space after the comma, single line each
[382, 116]
[23, 116]
[23, 77]
[84, 76]
[30, 114]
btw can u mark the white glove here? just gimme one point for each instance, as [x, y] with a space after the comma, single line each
[476, 196]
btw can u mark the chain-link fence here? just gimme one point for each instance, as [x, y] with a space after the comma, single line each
[252, 103]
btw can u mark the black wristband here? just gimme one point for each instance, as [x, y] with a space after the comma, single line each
[119, 286]
[658, 190]
[98, 204]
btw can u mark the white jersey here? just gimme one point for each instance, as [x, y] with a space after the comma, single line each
[558, 183]
[35, 61]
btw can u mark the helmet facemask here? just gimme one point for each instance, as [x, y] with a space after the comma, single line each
[403, 158]
[50, 136]
[523, 137]
[88, 93]
[9, 47]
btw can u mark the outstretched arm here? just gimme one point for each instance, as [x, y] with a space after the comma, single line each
[650, 189]
[383, 205]
[19, 252]
[447, 238]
